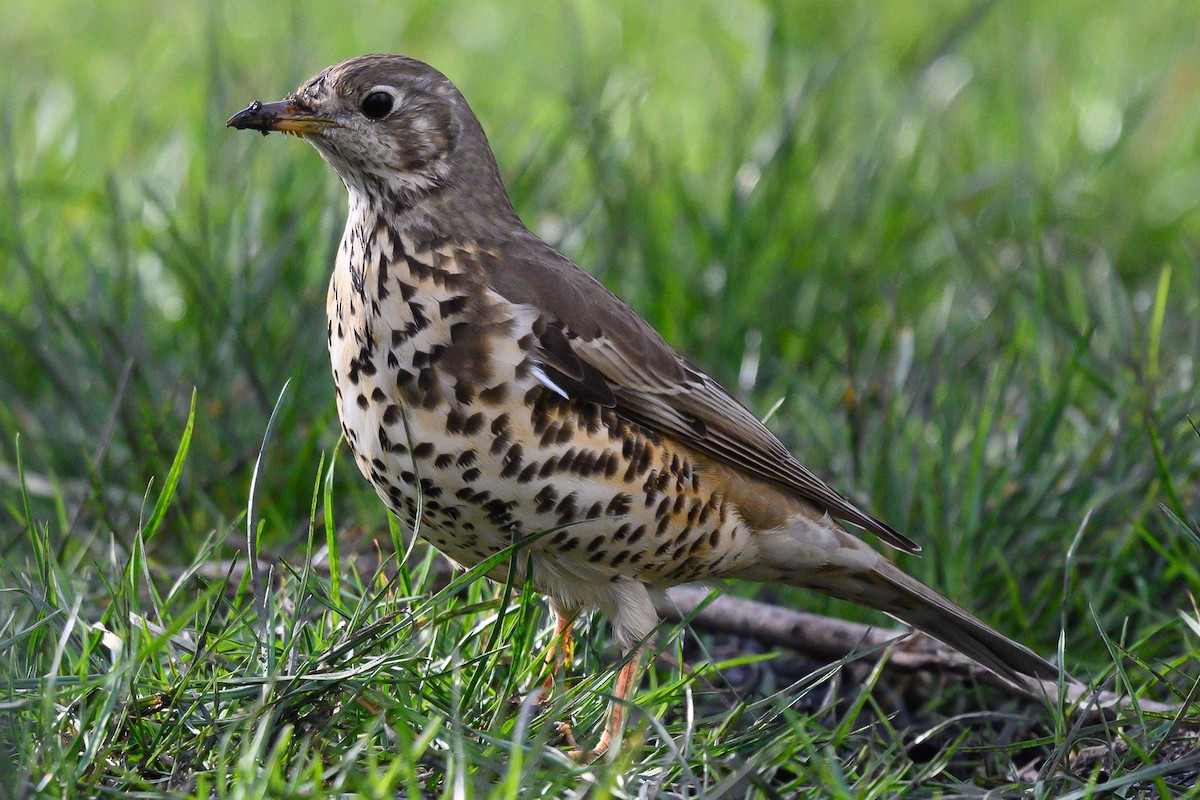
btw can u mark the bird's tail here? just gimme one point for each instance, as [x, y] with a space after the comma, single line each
[904, 597]
[857, 573]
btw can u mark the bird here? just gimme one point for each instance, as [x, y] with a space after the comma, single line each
[495, 394]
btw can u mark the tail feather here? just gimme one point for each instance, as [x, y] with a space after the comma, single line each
[816, 553]
[886, 588]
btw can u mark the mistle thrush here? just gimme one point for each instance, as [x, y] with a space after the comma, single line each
[480, 370]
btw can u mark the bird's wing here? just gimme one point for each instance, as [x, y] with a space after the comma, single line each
[595, 347]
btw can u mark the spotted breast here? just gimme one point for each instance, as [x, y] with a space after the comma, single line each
[467, 439]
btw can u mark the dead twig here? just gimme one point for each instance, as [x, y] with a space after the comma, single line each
[833, 639]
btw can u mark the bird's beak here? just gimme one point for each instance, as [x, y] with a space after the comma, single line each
[284, 115]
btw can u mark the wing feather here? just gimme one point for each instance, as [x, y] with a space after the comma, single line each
[597, 348]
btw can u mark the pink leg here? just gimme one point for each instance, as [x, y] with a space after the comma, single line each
[562, 649]
[626, 683]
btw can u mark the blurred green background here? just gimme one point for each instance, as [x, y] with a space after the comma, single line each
[958, 238]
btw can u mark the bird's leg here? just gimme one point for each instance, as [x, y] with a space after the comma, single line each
[562, 649]
[626, 683]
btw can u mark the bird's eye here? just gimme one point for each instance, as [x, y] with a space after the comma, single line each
[376, 105]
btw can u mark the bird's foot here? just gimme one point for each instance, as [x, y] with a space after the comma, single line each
[581, 755]
[541, 698]
[585, 758]
[567, 735]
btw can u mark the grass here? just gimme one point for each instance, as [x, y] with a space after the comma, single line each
[958, 239]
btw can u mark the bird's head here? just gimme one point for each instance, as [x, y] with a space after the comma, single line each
[393, 127]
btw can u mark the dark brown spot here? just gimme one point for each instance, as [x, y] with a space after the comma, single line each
[663, 509]
[618, 505]
[464, 393]
[566, 506]
[497, 510]
[453, 305]
[583, 462]
[589, 417]
[473, 424]
[545, 499]
[426, 379]
[540, 419]
[566, 433]
[501, 442]
[420, 321]
[549, 434]
[610, 464]
[391, 414]
[513, 460]
[494, 395]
